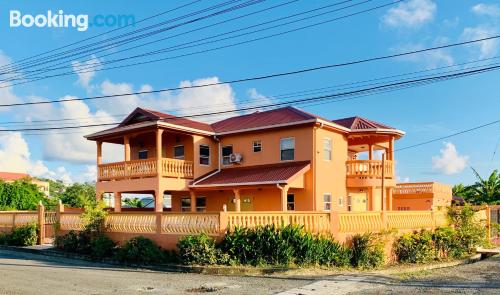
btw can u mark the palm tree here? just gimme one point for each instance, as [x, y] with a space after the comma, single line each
[486, 190]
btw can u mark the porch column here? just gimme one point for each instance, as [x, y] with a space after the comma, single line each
[159, 133]
[193, 200]
[99, 152]
[373, 200]
[391, 150]
[118, 201]
[389, 198]
[126, 145]
[159, 200]
[284, 194]
[237, 200]
[370, 151]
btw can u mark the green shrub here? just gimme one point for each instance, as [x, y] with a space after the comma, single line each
[101, 247]
[321, 250]
[366, 251]
[25, 235]
[199, 249]
[446, 243]
[140, 250]
[68, 242]
[4, 238]
[469, 233]
[416, 247]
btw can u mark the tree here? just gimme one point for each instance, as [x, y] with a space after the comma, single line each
[134, 203]
[486, 190]
[78, 195]
[20, 195]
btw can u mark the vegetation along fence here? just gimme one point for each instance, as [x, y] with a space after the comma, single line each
[170, 225]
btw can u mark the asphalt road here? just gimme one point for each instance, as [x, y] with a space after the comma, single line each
[24, 273]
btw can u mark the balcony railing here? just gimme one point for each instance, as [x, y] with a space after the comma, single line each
[422, 188]
[145, 168]
[369, 168]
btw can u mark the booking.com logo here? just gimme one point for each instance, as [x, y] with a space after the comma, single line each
[61, 20]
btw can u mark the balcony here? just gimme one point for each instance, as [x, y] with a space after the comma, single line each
[361, 173]
[145, 168]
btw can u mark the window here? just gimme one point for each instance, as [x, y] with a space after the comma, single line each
[327, 149]
[327, 202]
[349, 203]
[179, 152]
[227, 150]
[143, 154]
[204, 154]
[257, 146]
[167, 201]
[341, 201]
[290, 202]
[186, 204]
[287, 147]
[201, 204]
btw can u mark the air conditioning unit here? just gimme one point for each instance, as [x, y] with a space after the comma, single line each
[235, 158]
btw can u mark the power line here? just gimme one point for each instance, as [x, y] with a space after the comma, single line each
[415, 82]
[448, 136]
[275, 75]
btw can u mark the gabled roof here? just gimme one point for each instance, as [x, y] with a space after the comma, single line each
[10, 176]
[142, 115]
[271, 118]
[359, 123]
[281, 173]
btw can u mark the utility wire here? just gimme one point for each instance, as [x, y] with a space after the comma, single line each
[269, 76]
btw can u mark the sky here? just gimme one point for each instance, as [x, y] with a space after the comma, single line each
[424, 113]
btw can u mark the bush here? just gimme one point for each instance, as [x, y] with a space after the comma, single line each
[4, 238]
[469, 233]
[199, 249]
[417, 247]
[446, 244]
[101, 247]
[68, 242]
[367, 252]
[140, 250]
[25, 235]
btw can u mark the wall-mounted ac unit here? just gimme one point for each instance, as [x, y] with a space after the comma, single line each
[235, 158]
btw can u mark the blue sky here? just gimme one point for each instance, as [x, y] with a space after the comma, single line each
[424, 112]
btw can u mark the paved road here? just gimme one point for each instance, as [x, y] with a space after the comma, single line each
[23, 273]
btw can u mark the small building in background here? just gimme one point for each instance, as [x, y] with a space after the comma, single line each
[11, 177]
[421, 196]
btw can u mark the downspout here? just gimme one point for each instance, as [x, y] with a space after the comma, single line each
[218, 166]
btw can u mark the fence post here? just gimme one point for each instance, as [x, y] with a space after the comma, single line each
[335, 224]
[223, 222]
[488, 223]
[158, 223]
[59, 210]
[41, 223]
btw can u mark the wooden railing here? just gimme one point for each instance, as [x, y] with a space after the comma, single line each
[145, 168]
[369, 168]
[177, 168]
[311, 221]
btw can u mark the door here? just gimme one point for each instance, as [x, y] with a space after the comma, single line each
[246, 203]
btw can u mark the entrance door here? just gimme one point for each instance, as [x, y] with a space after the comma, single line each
[357, 202]
[246, 203]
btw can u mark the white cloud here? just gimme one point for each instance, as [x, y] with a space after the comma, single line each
[6, 94]
[412, 14]
[449, 161]
[86, 71]
[486, 9]
[486, 48]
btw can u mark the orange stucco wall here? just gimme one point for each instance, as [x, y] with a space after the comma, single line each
[412, 202]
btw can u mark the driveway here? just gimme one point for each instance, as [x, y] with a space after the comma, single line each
[24, 273]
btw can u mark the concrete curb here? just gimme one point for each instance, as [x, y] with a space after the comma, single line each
[242, 271]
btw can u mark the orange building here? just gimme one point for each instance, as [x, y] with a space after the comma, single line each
[279, 160]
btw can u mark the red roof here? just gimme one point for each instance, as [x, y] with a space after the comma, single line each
[10, 176]
[280, 173]
[280, 116]
[359, 123]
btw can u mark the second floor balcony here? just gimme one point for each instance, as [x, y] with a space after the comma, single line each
[145, 168]
[369, 169]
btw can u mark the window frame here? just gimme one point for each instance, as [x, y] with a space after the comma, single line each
[288, 203]
[228, 156]
[203, 156]
[142, 151]
[281, 150]
[259, 144]
[183, 152]
[184, 208]
[201, 208]
[327, 152]
[329, 203]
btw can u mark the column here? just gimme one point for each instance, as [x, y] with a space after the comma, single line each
[389, 198]
[159, 200]
[159, 133]
[126, 145]
[237, 200]
[118, 201]
[391, 150]
[193, 201]
[373, 199]
[370, 151]
[284, 194]
[99, 153]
